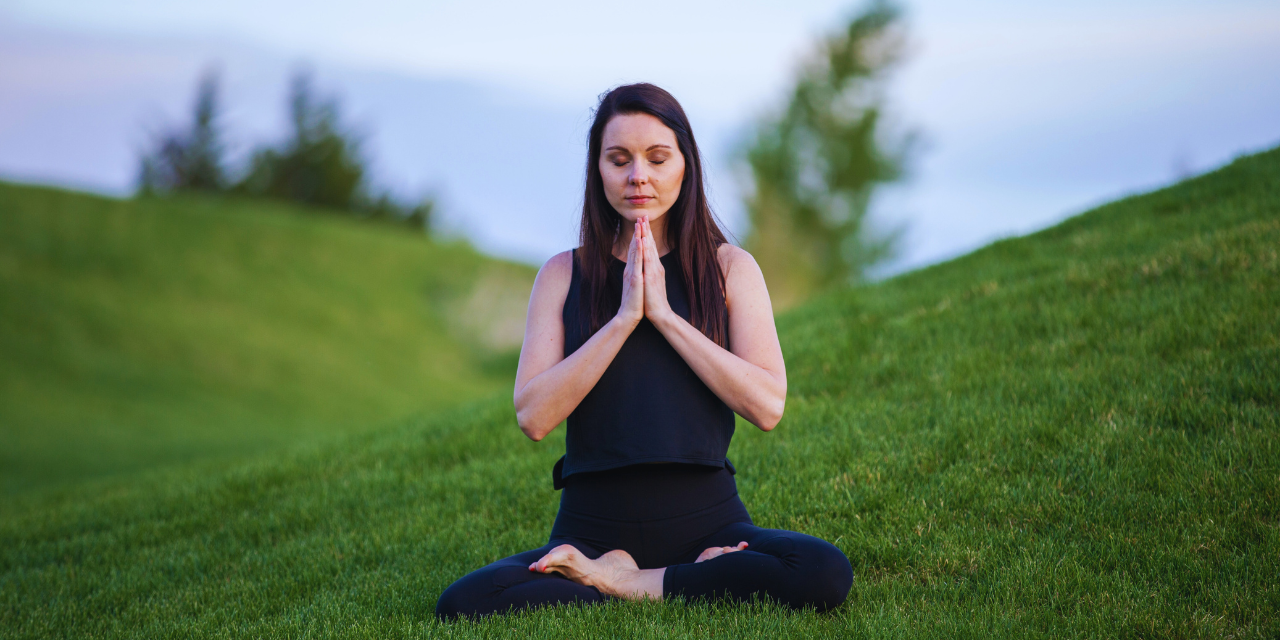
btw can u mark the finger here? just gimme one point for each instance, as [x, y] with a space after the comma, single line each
[632, 250]
[651, 256]
[640, 253]
[639, 238]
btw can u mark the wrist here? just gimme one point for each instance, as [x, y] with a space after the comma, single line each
[626, 321]
[664, 320]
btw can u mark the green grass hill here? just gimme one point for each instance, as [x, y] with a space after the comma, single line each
[1069, 434]
[142, 333]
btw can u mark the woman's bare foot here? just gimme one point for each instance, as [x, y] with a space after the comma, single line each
[614, 573]
[714, 552]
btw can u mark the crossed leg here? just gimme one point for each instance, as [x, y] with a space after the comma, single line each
[795, 569]
[509, 584]
[614, 573]
[740, 561]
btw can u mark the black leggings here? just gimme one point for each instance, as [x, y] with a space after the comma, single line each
[664, 515]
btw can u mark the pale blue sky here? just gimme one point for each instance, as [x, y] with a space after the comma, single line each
[1031, 112]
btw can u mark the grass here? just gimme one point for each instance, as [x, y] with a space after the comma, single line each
[153, 332]
[1068, 434]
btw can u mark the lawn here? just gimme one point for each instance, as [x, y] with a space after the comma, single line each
[143, 333]
[1067, 434]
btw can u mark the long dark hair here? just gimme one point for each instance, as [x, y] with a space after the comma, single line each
[691, 228]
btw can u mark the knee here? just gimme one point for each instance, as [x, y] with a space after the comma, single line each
[452, 603]
[828, 574]
[470, 595]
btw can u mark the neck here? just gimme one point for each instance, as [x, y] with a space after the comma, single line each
[659, 228]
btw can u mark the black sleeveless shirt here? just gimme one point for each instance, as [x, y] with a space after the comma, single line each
[649, 405]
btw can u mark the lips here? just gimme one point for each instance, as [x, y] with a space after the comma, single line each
[639, 199]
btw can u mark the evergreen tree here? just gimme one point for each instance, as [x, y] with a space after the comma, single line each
[190, 159]
[319, 163]
[815, 165]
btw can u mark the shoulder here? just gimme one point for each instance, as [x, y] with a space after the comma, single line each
[560, 265]
[554, 277]
[736, 262]
[743, 280]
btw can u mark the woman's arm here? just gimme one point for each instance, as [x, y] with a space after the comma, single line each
[751, 378]
[548, 385]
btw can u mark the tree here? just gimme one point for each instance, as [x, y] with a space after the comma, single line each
[815, 165]
[192, 159]
[319, 163]
[387, 209]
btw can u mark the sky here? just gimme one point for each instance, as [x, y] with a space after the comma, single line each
[1028, 113]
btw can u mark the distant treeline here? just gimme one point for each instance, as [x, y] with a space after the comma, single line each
[319, 163]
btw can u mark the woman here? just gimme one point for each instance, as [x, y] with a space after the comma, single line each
[648, 338]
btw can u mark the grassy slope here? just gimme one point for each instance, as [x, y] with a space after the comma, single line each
[139, 333]
[1067, 434]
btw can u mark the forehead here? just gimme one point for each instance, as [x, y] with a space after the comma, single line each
[637, 132]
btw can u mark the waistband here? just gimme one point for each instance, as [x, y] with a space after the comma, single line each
[647, 492]
[558, 475]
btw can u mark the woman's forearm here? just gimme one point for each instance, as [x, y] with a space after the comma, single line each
[753, 392]
[548, 398]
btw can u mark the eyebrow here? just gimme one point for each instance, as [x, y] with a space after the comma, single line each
[651, 147]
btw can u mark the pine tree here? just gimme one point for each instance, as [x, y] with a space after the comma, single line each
[189, 159]
[319, 163]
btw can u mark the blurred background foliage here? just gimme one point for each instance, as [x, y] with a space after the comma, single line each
[189, 159]
[815, 165]
[319, 163]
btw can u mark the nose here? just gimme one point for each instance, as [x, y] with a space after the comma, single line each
[639, 174]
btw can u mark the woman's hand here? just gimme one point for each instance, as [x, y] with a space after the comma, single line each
[656, 306]
[633, 282]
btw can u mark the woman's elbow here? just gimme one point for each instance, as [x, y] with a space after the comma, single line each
[524, 420]
[530, 427]
[769, 423]
[771, 414]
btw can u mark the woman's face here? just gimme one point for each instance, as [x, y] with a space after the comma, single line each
[641, 166]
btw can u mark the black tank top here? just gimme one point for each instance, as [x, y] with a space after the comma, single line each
[649, 405]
